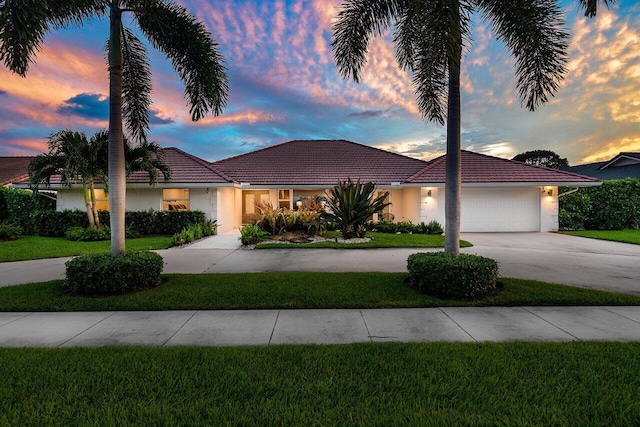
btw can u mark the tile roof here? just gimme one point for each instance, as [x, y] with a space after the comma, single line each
[185, 169]
[13, 169]
[319, 162]
[480, 168]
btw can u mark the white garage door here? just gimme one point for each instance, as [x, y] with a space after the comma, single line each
[500, 209]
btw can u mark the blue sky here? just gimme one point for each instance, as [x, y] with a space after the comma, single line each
[284, 86]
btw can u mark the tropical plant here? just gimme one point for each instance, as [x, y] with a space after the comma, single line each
[546, 158]
[430, 37]
[271, 218]
[352, 204]
[9, 231]
[252, 235]
[75, 159]
[169, 27]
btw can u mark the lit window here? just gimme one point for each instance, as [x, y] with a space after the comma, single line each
[102, 200]
[175, 199]
[284, 199]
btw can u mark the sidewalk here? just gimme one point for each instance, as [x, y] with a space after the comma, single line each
[272, 327]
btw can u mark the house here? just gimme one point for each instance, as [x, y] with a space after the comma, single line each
[624, 165]
[13, 169]
[497, 194]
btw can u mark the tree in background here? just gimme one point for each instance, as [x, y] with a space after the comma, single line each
[546, 158]
[429, 39]
[167, 25]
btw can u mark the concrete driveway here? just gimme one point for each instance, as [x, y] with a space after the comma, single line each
[547, 257]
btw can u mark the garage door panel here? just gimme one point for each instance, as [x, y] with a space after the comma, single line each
[494, 210]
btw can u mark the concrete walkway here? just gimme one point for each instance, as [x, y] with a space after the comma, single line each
[271, 327]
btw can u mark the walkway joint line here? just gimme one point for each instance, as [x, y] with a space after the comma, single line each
[555, 326]
[274, 327]
[457, 324]
[623, 316]
[82, 332]
[366, 326]
[178, 330]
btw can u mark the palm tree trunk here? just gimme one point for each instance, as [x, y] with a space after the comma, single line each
[87, 203]
[94, 209]
[453, 181]
[117, 176]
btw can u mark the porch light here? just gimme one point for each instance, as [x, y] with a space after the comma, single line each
[299, 203]
[549, 191]
[429, 192]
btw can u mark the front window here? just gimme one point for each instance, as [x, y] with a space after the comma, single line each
[175, 199]
[102, 200]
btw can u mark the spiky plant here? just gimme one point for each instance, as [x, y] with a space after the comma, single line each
[352, 204]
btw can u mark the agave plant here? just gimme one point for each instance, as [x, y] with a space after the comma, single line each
[352, 205]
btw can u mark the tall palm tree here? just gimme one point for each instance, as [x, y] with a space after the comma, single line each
[591, 6]
[430, 37]
[168, 26]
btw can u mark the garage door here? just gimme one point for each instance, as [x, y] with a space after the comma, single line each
[500, 209]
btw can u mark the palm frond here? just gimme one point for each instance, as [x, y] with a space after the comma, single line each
[147, 157]
[532, 31]
[24, 24]
[591, 6]
[192, 50]
[136, 86]
[357, 23]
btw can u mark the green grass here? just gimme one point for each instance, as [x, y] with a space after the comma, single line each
[294, 290]
[36, 247]
[624, 236]
[582, 383]
[378, 240]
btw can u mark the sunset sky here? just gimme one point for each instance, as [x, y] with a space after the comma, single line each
[284, 86]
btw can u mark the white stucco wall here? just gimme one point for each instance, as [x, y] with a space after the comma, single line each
[228, 214]
[431, 207]
[205, 200]
[143, 199]
[70, 199]
[549, 210]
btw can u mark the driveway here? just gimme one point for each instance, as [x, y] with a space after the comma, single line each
[547, 257]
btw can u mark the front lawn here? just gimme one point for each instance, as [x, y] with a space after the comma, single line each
[624, 236]
[294, 290]
[37, 247]
[579, 383]
[378, 240]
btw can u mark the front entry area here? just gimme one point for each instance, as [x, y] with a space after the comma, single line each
[250, 198]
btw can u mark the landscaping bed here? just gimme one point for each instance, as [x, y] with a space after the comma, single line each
[295, 290]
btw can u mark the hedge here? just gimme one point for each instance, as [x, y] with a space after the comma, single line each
[17, 207]
[144, 223]
[614, 205]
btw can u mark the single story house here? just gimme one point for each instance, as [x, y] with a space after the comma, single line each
[497, 194]
[624, 165]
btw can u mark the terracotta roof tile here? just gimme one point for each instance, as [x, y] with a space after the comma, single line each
[13, 169]
[319, 162]
[480, 168]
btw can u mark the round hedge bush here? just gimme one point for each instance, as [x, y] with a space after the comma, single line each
[103, 274]
[444, 275]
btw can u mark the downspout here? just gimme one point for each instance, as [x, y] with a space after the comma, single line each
[568, 192]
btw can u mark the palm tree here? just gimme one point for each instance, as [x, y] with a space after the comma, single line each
[168, 26]
[430, 37]
[75, 159]
[591, 6]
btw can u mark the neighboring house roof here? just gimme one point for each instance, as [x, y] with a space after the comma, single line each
[482, 169]
[185, 169]
[319, 162]
[14, 169]
[624, 165]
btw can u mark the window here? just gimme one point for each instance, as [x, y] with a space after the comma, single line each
[102, 200]
[284, 199]
[175, 199]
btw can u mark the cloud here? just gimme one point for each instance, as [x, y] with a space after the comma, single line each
[88, 105]
[2, 92]
[367, 114]
[157, 118]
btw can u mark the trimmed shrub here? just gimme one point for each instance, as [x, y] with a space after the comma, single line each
[444, 275]
[103, 274]
[383, 226]
[252, 235]
[141, 223]
[56, 223]
[88, 234]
